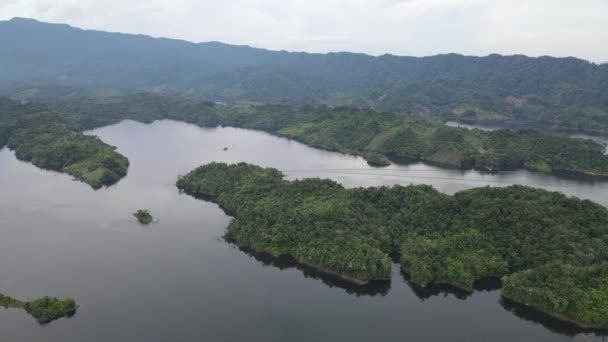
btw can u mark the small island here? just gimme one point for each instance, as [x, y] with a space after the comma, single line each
[378, 160]
[45, 309]
[550, 250]
[143, 216]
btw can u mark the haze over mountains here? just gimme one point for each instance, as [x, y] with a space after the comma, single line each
[567, 93]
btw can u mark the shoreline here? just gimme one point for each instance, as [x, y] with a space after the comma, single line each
[556, 316]
[535, 307]
[327, 271]
[391, 158]
[449, 283]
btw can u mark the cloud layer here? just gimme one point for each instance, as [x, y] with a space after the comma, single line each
[403, 27]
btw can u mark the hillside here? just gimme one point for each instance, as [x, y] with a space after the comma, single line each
[53, 141]
[374, 135]
[550, 93]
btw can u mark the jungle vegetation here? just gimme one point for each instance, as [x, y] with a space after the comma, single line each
[552, 250]
[54, 141]
[45, 309]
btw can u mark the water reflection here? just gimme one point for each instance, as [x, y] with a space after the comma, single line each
[435, 289]
[283, 262]
[487, 284]
[531, 314]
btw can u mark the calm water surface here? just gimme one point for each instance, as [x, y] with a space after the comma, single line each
[177, 280]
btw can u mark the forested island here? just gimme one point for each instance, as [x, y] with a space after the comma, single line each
[550, 249]
[375, 135]
[45, 309]
[143, 216]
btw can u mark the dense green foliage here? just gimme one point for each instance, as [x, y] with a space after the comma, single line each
[317, 224]
[10, 302]
[44, 309]
[52, 141]
[143, 216]
[560, 93]
[47, 309]
[456, 239]
[570, 292]
[356, 131]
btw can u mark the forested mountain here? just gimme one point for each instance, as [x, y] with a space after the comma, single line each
[32, 50]
[560, 93]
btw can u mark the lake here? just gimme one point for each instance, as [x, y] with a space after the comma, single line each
[177, 280]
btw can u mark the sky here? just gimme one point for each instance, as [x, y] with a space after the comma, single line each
[400, 27]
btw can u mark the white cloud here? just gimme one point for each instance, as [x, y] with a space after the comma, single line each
[405, 27]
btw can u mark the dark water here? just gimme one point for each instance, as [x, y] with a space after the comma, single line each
[176, 280]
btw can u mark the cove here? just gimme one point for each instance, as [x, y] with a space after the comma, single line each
[178, 280]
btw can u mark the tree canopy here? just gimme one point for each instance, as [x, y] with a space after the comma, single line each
[53, 141]
[527, 235]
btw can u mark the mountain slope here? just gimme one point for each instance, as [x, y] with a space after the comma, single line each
[562, 93]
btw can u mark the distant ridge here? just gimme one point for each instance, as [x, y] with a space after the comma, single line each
[545, 91]
[31, 22]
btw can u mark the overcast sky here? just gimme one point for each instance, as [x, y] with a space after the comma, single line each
[402, 27]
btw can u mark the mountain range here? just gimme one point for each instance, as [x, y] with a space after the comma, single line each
[548, 92]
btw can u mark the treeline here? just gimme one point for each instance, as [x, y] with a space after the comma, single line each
[51, 140]
[552, 249]
[375, 135]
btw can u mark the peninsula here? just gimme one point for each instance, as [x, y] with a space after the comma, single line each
[54, 141]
